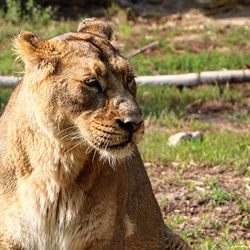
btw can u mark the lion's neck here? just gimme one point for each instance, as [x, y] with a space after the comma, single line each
[45, 168]
[48, 156]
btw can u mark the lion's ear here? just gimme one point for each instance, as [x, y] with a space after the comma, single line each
[97, 27]
[34, 51]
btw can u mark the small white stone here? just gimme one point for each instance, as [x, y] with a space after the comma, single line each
[147, 164]
[175, 139]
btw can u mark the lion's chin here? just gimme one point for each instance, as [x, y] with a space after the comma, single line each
[117, 154]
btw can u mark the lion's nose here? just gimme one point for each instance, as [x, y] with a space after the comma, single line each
[129, 125]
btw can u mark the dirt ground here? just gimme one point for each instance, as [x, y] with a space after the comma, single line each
[192, 203]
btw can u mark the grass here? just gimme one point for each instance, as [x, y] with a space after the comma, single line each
[4, 96]
[206, 243]
[218, 195]
[172, 56]
[240, 36]
[223, 243]
[164, 99]
[217, 148]
[188, 62]
[168, 109]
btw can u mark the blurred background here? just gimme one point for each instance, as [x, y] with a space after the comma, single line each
[201, 183]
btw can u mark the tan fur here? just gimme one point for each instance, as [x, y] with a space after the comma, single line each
[71, 176]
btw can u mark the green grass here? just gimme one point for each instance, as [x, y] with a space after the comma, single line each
[217, 148]
[217, 195]
[166, 108]
[246, 222]
[223, 242]
[160, 100]
[202, 242]
[236, 37]
[167, 58]
[242, 116]
[7, 64]
[188, 62]
[4, 96]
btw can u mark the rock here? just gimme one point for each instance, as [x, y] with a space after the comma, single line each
[147, 164]
[173, 140]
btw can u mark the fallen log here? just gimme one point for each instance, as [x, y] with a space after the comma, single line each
[194, 79]
[9, 81]
[184, 80]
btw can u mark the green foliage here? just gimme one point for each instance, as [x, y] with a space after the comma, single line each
[38, 15]
[125, 30]
[16, 13]
[6, 62]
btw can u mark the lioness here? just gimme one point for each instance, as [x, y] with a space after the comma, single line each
[71, 176]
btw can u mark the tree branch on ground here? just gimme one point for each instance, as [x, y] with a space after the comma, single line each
[143, 49]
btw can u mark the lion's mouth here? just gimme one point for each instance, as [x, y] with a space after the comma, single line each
[120, 145]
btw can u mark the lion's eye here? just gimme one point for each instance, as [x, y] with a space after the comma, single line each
[93, 83]
[131, 84]
[130, 79]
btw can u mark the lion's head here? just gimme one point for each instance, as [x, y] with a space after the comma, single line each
[81, 89]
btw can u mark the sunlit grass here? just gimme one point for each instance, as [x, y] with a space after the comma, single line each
[217, 148]
[160, 100]
[189, 62]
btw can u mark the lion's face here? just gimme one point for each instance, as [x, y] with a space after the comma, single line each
[84, 90]
[98, 96]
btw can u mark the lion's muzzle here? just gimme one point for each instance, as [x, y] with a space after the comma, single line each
[130, 118]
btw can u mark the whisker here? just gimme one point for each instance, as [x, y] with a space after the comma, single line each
[66, 129]
[94, 155]
[77, 137]
[78, 144]
[70, 134]
[89, 149]
[106, 144]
